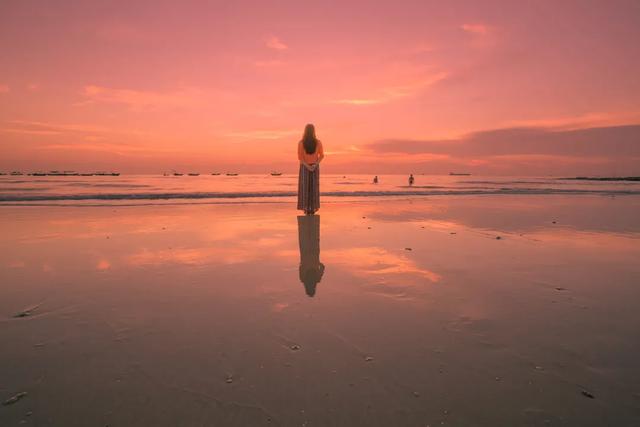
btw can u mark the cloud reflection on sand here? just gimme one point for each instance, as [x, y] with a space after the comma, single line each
[377, 262]
[191, 256]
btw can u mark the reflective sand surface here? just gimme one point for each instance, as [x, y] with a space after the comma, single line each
[374, 313]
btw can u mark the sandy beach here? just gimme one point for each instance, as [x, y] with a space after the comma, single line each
[466, 310]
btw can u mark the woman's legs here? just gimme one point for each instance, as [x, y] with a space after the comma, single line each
[308, 190]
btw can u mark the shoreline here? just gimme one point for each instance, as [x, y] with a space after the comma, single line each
[350, 196]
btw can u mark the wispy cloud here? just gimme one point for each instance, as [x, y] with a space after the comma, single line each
[391, 93]
[269, 63]
[351, 149]
[262, 134]
[86, 132]
[359, 101]
[138, 100]
[44, 128]
[476, 29]
[275, 43]
[111, 148]
[4, 88]
[592, 119]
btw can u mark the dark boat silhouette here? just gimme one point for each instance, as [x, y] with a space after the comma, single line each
[193, 174]
[215, 173]
[276, 173]
[177, 174]
[232, 174]
[63, 173]
[459, 174]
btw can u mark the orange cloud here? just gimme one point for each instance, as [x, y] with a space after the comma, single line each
[103, 265]
[476, 29]
[269, 63]
[119, 149]
[392, 93]
[44, 128]
[275, 43]
[144, 100]
[263, 134]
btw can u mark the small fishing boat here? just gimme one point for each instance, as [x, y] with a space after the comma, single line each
[193, 174]
[177, 174]
[3, 173]
[276, 173]
[232, 174]
[215, 173]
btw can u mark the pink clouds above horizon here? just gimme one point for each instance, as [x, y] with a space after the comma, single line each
[144, 86]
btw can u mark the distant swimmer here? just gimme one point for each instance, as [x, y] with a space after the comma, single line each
[375, 179]
[411, 179]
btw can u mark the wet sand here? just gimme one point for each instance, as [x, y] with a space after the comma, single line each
[462, 311]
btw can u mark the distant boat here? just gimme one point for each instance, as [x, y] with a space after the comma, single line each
[215, 173]
[232, 174]
[39, 174]
[193, 174]
[2, 173]
[177, 174]
[459, 174]
[16, 173]
[86, 174]
[276, 173]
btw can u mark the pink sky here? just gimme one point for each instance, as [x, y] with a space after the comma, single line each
[393, 87]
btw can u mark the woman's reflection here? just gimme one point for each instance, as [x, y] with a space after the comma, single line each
[311, 269]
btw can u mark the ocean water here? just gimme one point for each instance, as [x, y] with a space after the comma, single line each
[156, 189]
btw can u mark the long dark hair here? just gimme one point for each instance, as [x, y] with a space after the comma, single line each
[309, 140]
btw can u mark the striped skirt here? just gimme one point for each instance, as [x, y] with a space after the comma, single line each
[308, 189]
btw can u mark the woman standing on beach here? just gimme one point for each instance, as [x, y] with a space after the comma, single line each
[310, 154]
